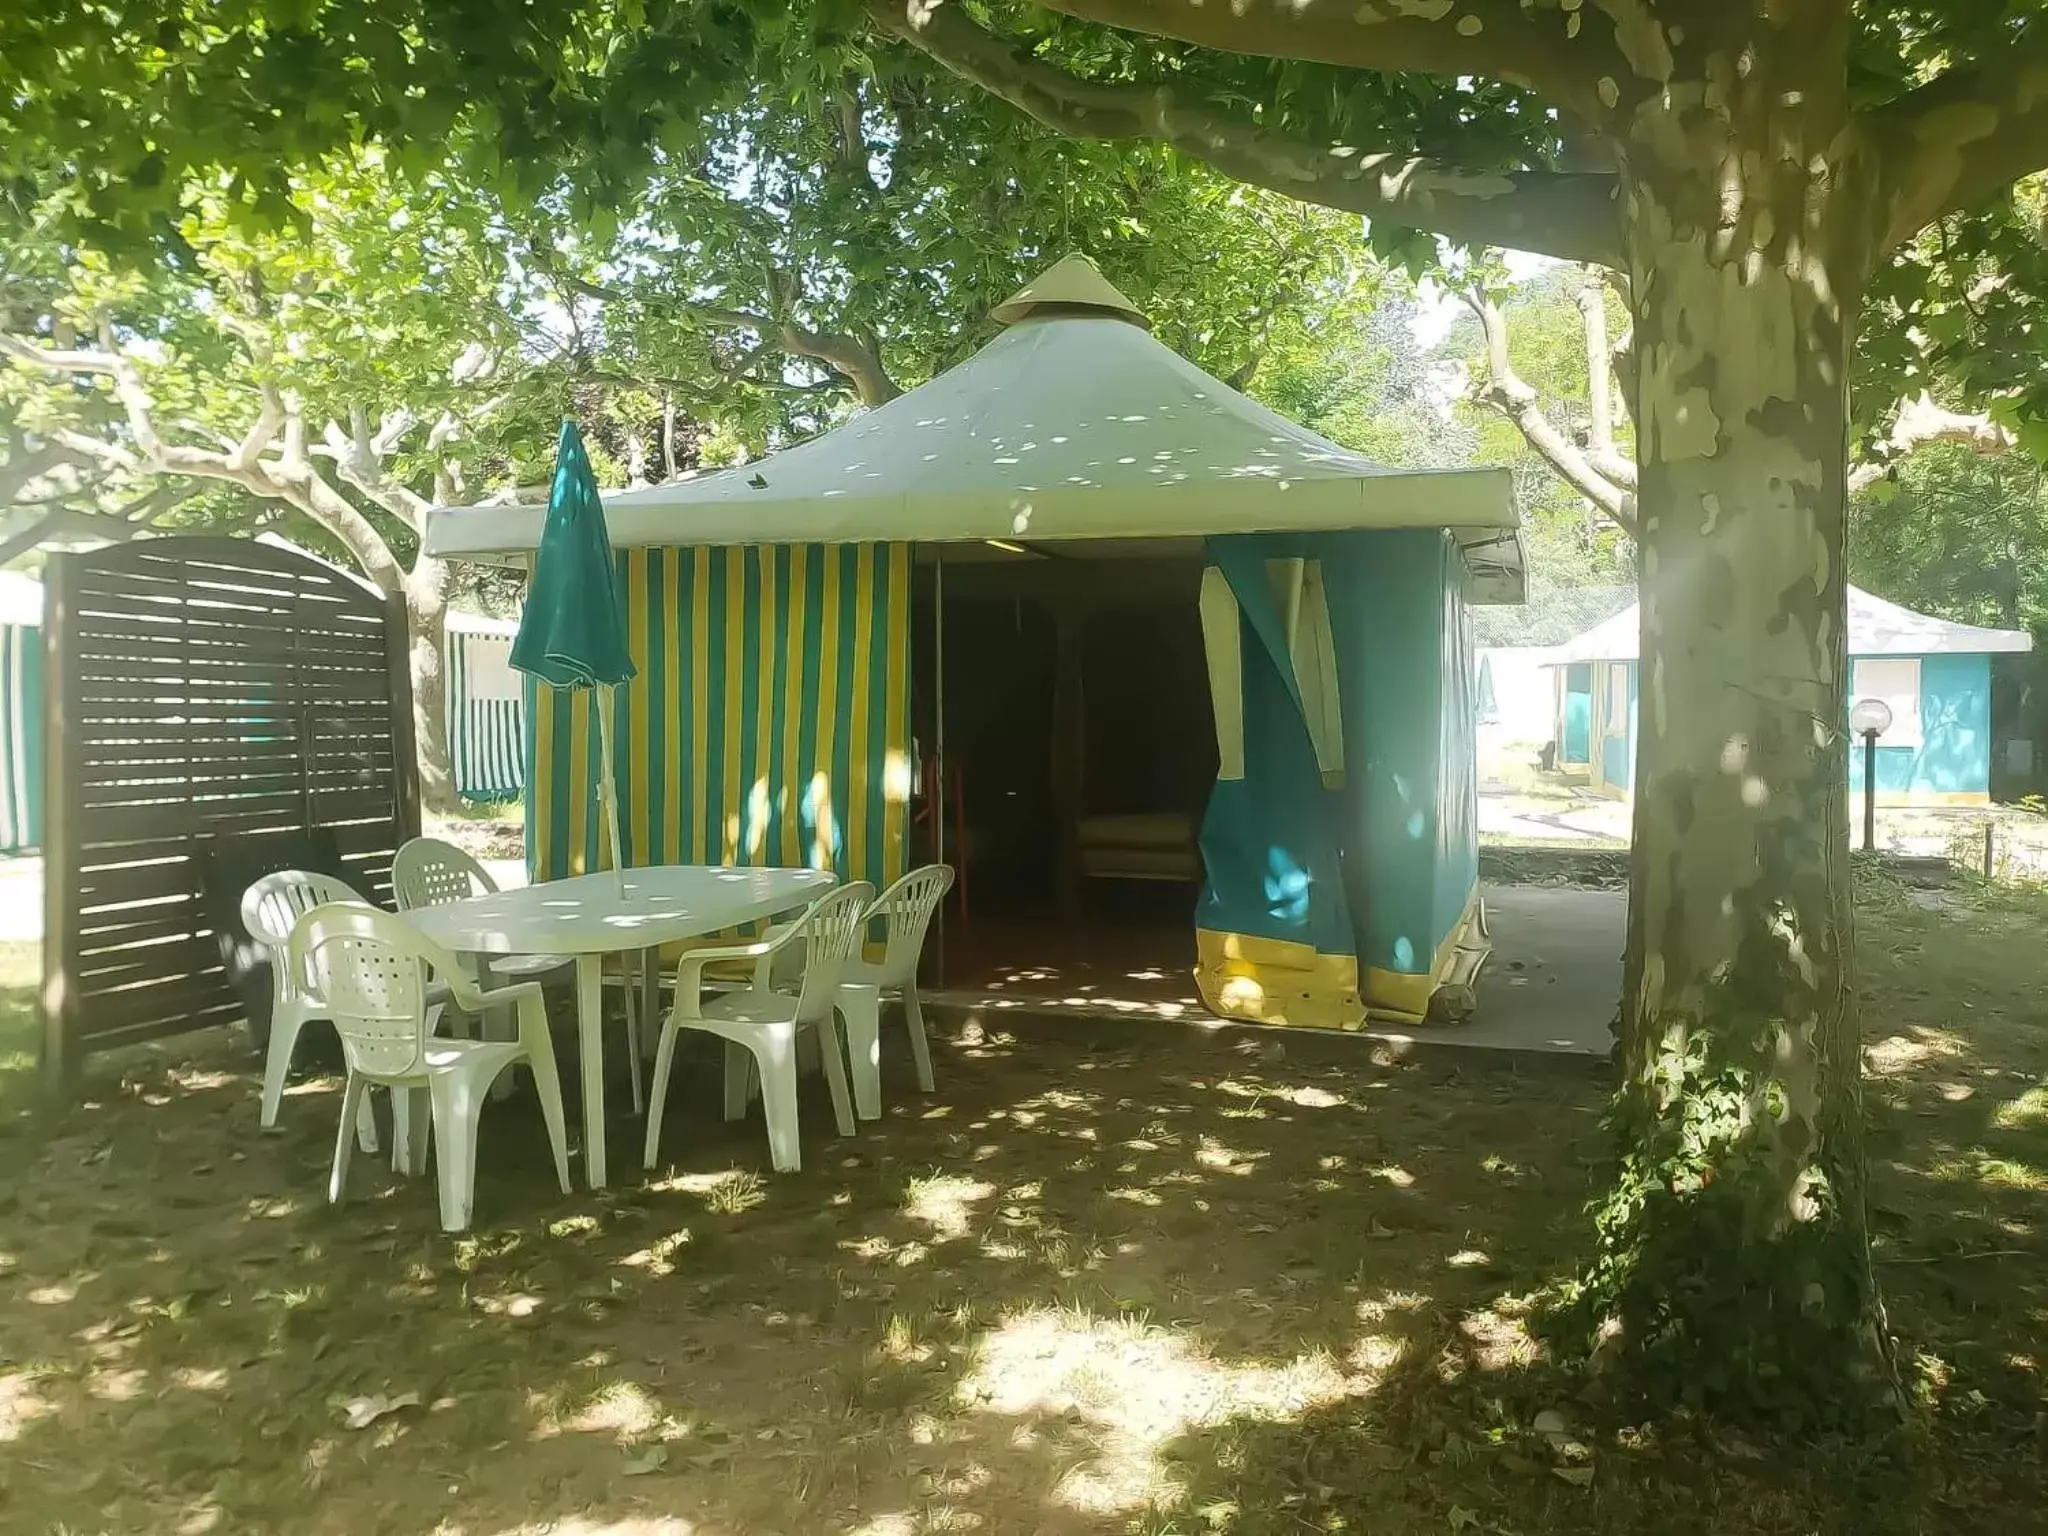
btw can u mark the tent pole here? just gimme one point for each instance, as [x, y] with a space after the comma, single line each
[607, 787]
[939, 731]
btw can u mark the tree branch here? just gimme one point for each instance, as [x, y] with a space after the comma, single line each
[1573, 216]
[112, 455]
[262, 432]
[116, 526]
[1283, 297]
[359, 453]
[712, 314]
[1600, 450]
[1921, 423]
[1507, 392]
[858, 361]
[18, 474]
[288, 478]
[1504, 39]
[109, 361]
[1964, 136]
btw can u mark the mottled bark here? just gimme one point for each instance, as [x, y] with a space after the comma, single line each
[1737, 1241]
[426, 607]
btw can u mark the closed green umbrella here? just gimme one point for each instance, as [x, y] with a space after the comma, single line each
[573, 632]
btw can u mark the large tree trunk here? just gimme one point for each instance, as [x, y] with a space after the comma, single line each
[426, 606]
[1734, 1253]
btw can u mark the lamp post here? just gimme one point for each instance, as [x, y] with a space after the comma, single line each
[1870, 719]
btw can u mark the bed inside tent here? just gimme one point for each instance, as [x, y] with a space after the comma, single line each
[1183, 690]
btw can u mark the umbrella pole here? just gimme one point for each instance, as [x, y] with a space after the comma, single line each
[608, 787]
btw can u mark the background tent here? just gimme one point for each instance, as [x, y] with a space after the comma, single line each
[486, 708]
[769, 611]
[21, 712]
[1935, 676]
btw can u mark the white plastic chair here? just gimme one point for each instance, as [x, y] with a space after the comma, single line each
[374, 970]
[271, 908]
[905, 910]
[428, 872]
[760, 1026]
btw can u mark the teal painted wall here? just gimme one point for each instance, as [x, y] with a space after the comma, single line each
[1618, 751]
[1954, 757]
[1576, 744]
[1406, 667]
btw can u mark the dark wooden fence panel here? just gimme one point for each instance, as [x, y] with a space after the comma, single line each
[198, 692]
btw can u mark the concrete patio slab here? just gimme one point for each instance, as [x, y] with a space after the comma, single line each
[1549, 990]
[1554, 979]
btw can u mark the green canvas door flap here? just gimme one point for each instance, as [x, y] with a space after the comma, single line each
[1403, 637]
[1296, 631]
[1274, 928]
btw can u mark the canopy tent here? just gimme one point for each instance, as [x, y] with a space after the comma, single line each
[768, 607]
[1076, 425]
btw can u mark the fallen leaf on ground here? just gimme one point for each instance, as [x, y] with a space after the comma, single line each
[639, 1464]
[362, 1412]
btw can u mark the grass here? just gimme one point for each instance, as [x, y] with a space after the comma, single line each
[1137, 1280]
[488, 830]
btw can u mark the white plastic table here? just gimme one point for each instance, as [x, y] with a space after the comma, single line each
[591, 916]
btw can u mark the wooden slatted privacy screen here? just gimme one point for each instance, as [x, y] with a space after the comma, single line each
[198, 691]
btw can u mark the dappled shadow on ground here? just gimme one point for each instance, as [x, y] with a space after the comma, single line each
[1141, 969]
[1957, 1104]
[20, 1031]
[1126, 1280]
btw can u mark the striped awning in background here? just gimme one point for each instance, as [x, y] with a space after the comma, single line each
[486, 709]
[769, 723]
[21, 737]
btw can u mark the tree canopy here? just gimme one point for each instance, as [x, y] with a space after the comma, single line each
[1475, 120]
[391, 324]
[1958, 533]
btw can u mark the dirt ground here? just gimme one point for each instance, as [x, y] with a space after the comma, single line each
[1141, 1279]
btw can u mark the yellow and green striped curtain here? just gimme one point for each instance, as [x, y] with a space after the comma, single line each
[768, 725]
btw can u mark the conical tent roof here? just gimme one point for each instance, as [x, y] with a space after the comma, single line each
[1073, 283]
[1073, 424]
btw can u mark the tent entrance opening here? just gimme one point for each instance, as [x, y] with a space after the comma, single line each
[1080, 753]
